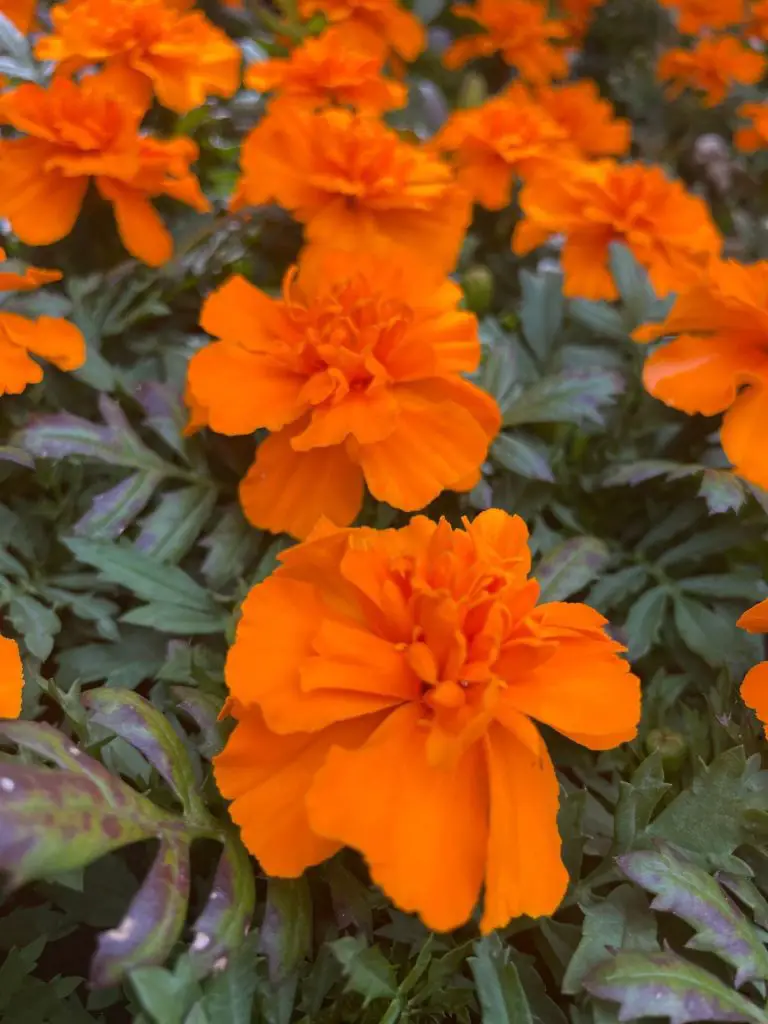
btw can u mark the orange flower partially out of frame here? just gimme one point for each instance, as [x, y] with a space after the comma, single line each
[356, 370]
[712, 67]
[754, 136]
[758, 25]
[145, 46]
[20, 12]
[355, 184]
[50, 338]
[75, 134]
[754, 688]
[517, 29]
[669, 230]
[588, 119]
[694, 16]
[11, 678]
[718, 362]
[380, 26]
[396, 715]
[327, 71]
[507, 137]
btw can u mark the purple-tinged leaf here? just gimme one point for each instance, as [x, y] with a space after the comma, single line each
[230, 546]
[573, 396]
[52, 745]
[113, 511]
[135, 720]
[170, 530]
[286, 931]
[722, 491]
[154, 920]
[228, 913]
[8, 453]
[665, 985]
[523, 455]
[570, 567]
[694, 896]
[633, 473]
[165, 412]
[204, 710]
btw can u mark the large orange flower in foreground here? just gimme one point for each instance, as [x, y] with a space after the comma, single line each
[693, 16]
[587, 119]
[378, 25]
[669, 230]
[712, 67]
[11, 678]
[754, 689]
[145, 45]
[507, 137]
[356, 371]
[518, 29]
[386, 685]
[326, 71]
[51, 338]
[718, 361]
[74, 134]
[755, 135]
[354, 183]
[20, 12]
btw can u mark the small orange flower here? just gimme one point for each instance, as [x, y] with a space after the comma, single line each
[754, 136]
[587, 118]
[327, 71]
[11, 678]
[507, 137]
[758, 25]
[357, 372]
[712, 67]
[754, 688]
[145, 45]
[719, 360]
[669, 230]
[694, 16]
[354, 183]
[521, 31]
[20, 12]
[386, 685]
[51, 338]
[77, 133]
[377, 25]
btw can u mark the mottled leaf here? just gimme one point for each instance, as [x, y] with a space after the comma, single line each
[694, 896]
[367, 971]
[204, 710]
[227, 915]
[286, 932]
[165, 412]
[114, 510]
[665, 985]
[573, 396]
[570, 567]
[499, 989]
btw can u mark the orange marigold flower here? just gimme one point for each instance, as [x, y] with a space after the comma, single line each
[77, 133]
[51, 338]
[712, 67]
[577, 15]
[754, 689]
[396, 715]
[719, 360]
[754, 136]
[521, 31]
[507, 137]
[145, 45]
[758, 25]
[357, 371]
[20, 12]
[354, 183]
[11, 678]
[378, 25]
[669, 230]
[694, 16]
[325, 71]
[587, 118]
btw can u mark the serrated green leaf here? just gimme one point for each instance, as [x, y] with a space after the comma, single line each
[499, 989]
[367, 971]
[171, 529]
[176, 619]
[599, 317]
[638, 798]
[722, 491]
[615, 587]
[573, 396]
[645, 620]
[703, 631]
[38, 625]
[523, 455]
[112, 512]
[286, 932]
[572, 565]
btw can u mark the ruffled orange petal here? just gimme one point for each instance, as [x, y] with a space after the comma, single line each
[754, 692]
[743, 435]
[11, 678]
[755, 620]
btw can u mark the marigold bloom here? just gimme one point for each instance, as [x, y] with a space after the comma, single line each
[754, 136]
[20, 12]
[694, 16]
[145, 45]
[719, 360]
[396, 715]
[77, 133]
[11, 678]
[354, 183]
[712, 67]
[356, 370]
[754, 688]
[758, 25]
[507, 137]
[326, 71]
[669, 230]
[377, 25]
[521, 31]
[587, 118]
[51, 338]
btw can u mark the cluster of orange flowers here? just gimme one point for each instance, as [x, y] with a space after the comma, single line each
[413, 663]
